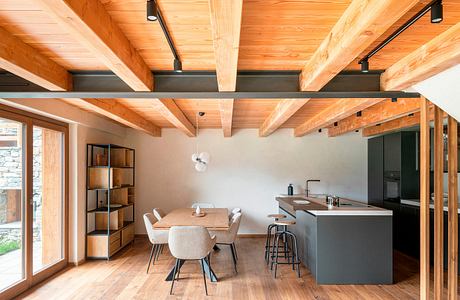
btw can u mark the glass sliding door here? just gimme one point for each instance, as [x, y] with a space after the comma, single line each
[48, 197]
[12, 215]
[33, 199]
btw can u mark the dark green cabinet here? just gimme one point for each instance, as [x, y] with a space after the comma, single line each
[375, 173]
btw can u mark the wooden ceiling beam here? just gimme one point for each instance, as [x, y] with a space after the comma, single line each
[226, 27]
[282, 112]
[171, 112]
[361, 24]
[90, 24]
[437, 55]
[120, 113]
[23, 60]
[333, 113]
[379, 113]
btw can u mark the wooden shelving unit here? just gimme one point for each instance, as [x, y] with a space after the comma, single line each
[110, 199]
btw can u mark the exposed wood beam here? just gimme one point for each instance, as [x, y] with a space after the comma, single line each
[226, 27]
[171, 112]
[26, 62]
[361, 24]
[424, 200]
[379, 113]
[335, 112]
[393, 125]
[282, 112]
[452, 253]
[120, 113]
[90, 24]
[226, 115]
[437, 55]
[23, 60]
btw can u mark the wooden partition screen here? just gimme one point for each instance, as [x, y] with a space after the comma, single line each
[452, 162]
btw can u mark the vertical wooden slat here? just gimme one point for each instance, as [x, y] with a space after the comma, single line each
[424, 200]
[438, 202]
[452, 267]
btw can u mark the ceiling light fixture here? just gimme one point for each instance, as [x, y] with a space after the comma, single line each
[336, 123]
[436, 12]
[436, 17]
[152, 10]
[177, 66]
[359, 114]
[364, 65]
[394, 100]
[201, 159]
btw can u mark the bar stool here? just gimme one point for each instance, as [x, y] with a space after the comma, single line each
[285, 234]
[269, 234]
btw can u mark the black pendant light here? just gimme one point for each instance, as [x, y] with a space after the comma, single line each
[436, 12]
[177, 66]
[152, 10]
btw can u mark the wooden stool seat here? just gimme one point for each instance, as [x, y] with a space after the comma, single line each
[276, 216]
[284, 222]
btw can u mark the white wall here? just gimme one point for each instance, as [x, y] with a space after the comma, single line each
[245, 171]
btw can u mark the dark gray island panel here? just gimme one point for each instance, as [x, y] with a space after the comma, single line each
[346, 249]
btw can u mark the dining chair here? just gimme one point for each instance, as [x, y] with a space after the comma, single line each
[233, 212]
[202, 205]
[190, 243]
[228, 237]
[158, 213]
[157, 237]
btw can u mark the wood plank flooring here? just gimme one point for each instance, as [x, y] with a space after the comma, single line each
[124, 277]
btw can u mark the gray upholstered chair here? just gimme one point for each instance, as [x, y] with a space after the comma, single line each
[158, 238]
[190, 243]
[233, 212]
[202, 205]
[158, 213]
[228, 237]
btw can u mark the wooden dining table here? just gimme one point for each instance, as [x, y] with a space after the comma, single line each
[214, 219]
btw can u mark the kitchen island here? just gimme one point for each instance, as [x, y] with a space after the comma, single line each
[346, 244]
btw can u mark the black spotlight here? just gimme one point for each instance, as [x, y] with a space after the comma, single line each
[394, 100]
[436, 12]
[152, 10]
[177, 66]
[319, 130]
[364, 66]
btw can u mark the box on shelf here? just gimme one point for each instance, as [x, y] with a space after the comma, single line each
[116, 220]
[119, 196]
[97, 245]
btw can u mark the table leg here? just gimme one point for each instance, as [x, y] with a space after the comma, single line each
[207, 269]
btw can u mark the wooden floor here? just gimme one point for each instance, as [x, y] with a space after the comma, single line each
[124, 277]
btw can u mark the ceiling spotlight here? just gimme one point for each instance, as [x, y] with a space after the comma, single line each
[394, 100]
[364, 65]
[152, 10]
[177, 65]
[319, 130]
[336, 124]
[436, 12]
[359, 114]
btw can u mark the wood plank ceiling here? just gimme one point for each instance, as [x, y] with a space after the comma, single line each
[274, 35]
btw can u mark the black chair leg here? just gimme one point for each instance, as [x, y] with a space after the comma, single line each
[204, 276]
[174, 276]
[178, 270]
[236, 252]
[151, 255]
[277, 239]
[157, 253]
[234, 257]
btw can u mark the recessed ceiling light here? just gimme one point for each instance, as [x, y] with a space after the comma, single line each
[152, 10]
[436, 12]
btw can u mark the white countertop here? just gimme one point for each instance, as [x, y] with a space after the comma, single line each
[364, 210]
[416, 202]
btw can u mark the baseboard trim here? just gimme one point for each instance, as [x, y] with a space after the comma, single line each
[252, 235]
[78, 263]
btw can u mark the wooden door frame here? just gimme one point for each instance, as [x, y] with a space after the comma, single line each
[30, 120]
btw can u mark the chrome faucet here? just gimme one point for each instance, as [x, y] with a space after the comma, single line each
[306, 186]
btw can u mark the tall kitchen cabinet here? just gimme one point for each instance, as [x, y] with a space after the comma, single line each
[393, 167]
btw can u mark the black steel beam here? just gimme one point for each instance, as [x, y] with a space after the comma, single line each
[195, 85]
[209, 95]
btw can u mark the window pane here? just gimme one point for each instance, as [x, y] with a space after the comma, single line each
[11, 203]
[47, 198]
